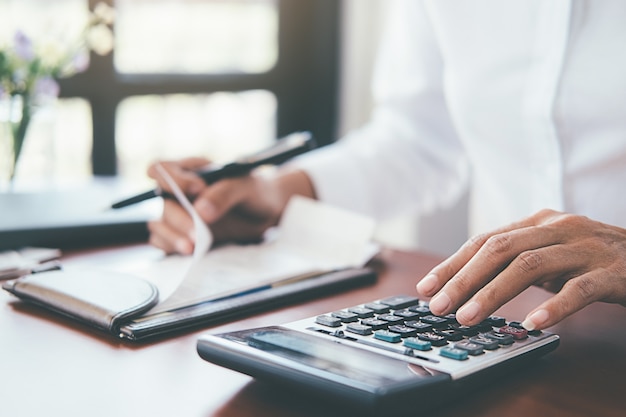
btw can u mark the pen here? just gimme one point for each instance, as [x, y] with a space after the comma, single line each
[284, 149]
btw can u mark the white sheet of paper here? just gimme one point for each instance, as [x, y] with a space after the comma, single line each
[312, 237]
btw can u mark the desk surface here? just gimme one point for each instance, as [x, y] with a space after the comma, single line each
[52, 367]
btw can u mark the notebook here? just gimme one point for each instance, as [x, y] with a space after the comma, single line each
[71, 218]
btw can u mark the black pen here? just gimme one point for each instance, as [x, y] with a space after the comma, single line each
[284, 149]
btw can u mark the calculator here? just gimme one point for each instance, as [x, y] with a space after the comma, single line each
[389, 354]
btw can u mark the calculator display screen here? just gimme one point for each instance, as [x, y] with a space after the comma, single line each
[347, 363]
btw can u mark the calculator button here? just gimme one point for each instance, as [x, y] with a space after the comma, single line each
[436, 321]
[374, 323]
[517, 334]
[362, 312]
[518, 325]
[399, 301]
[451, 318]
[359, 329]
[433, 338]
[472, 348]
[422, 310]
[406, 314]
[485, 342]
[390, 318]
[345, 316]
[450, 334]
[387, 336]
[420, 326]
[403, 331]
[377, 308]
[484, 326]
[452, 353]
[503, 339]
[418, 344]
[496, 321]
[328, 321]
[466, 330]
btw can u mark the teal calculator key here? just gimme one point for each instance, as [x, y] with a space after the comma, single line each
[387, 336]
[453, 353]
[418, 344]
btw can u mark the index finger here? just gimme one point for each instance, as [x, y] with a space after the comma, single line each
[183, 172]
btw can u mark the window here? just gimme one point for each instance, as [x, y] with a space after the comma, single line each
[189, 77]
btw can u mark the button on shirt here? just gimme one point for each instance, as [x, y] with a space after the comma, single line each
[524, 102]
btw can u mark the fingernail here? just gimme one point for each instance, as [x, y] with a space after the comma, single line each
[428, 284]
[468, 312]
[440, 303]
[183, 246]
[536, 319]
[205, 209]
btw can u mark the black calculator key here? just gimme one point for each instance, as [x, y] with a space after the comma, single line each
[484, 326]
[399, 301]
[390, 318]
[328, 321]
[451, 318]
[503, 339]
[420, 326]
[471, 348]
[433, 338]
[450, 334]
[374, 323]
[359, 329]
[404, 331]
[422, 310]
[485, 342]
[436, 321]
[377, 308]
[466, 330]
[362, 312]
[496, 321]
[406, 314]
[345, 316]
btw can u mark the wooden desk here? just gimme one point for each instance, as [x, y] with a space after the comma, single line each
[51, 367]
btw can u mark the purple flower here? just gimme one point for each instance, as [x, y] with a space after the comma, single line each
[46, 87]
[23, 46]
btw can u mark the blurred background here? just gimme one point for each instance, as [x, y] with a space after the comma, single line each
[218, 78]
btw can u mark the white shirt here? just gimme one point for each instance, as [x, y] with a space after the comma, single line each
[522, 101]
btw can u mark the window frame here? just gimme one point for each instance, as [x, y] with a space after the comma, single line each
[304, 80]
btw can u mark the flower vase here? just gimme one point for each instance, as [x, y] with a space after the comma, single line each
[15, 116]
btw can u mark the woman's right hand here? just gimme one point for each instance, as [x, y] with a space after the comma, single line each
[237, 209]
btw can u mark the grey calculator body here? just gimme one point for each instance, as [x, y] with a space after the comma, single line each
[362, 371]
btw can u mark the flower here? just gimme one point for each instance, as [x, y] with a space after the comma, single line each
[29, 70]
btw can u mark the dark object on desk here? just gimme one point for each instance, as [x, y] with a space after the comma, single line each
[284, 149]
[383, 366]
[67, 219]
[98, 304]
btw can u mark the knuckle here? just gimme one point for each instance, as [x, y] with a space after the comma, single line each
[462, 282]
[528, 261]
[476, 242]
[584, 287]
[498, 244]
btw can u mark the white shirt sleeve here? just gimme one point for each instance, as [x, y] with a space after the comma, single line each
[408, 156]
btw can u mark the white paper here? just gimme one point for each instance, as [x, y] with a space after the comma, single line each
[311, 238]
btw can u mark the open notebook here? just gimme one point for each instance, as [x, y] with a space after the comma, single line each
[315, 249]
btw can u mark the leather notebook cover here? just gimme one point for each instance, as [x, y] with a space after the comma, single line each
[101, 299]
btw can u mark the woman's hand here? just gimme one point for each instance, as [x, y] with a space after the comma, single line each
[236, 209]
[578, 259]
